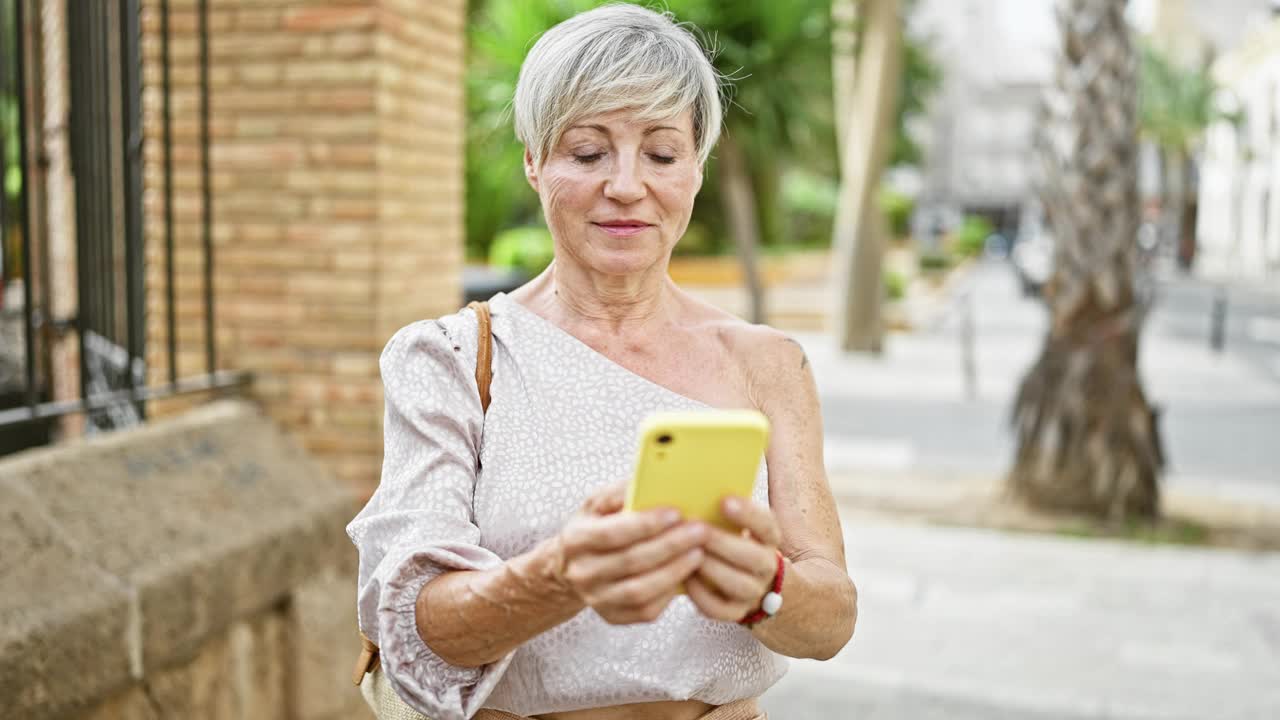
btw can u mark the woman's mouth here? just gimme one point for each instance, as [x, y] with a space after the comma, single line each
[623, 228]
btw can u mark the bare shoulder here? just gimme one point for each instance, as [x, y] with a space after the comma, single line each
[771, 363]
[778, 374]
[768, 354]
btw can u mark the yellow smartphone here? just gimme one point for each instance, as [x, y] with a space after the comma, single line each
[690, 460]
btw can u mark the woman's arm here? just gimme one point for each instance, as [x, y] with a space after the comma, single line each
[820, 602]
[627, 567]
[473, 618]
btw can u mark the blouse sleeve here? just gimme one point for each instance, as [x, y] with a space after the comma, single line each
[419, 522]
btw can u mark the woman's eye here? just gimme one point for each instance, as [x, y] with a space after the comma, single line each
[664, 159]
[587, 159]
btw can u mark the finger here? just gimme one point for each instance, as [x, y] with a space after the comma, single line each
[604, 533]
[731, 582]
[712, 604]
[640, 557]
[640, 590]
[606, 500]
[654, 610]
[754, 517]
[744, 553]
[646, 614]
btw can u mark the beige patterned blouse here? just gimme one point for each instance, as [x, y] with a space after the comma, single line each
[562, 422]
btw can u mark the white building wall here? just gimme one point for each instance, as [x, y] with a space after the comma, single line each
[1239, 228]
[996, 58]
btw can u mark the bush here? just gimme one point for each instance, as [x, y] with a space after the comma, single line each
[697, 240]
[934, 261]
[971, 237]
[895, 285]
[809, 204]
[897, 211]
[527, 249]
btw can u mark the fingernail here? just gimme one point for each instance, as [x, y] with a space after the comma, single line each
[670, 517]
[695, 554]
[733, 505]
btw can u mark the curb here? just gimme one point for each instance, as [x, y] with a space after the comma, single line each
[975, 501]
[814, 690]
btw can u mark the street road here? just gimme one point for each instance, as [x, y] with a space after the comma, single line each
[911, 410]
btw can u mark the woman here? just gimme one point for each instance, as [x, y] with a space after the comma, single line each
[496, 571]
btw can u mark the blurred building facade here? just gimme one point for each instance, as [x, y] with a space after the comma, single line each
[1239, 224]
[996, 59]
[1196, 31]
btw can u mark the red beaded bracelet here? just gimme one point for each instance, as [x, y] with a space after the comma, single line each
[772, 600]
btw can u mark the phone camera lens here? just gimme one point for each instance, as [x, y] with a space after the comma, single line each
[664, 439]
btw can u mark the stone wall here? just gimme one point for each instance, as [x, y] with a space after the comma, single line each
[196, 567]
[336, 166]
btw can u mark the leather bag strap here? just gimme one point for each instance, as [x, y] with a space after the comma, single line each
[484, 351]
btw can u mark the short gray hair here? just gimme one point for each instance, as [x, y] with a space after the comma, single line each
[616, 57]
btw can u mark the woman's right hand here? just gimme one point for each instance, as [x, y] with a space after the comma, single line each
[627, 566]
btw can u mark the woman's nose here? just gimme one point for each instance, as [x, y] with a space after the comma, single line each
[625, 184]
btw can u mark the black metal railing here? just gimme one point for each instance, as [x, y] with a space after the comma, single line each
[105, 130]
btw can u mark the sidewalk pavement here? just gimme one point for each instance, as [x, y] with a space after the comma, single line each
[962, 623]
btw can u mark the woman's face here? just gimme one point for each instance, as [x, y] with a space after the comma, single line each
[617, 193]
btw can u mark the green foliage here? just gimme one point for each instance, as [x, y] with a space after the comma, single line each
[1174, 103]
[499, 34]
[11, 241]
[934, 262]
[808, 192]
[1172, 531]
[698, 240]
[809, 204]
[12, 149]
[921, 76]
[895, 285]
[971, 236]
[11, 238]
[778, 57]
[897, 209]
[527, 249]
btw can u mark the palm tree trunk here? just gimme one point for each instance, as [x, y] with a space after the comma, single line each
[1164, 222]
[1186, 209]
[858, 236]
[1087, 438]
[1173, 199]
[739, 201]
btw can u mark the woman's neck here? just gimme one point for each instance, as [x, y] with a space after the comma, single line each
[615, 304]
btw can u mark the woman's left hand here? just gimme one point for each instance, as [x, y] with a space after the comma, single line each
[738, 568]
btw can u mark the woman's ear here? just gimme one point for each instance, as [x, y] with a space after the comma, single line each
[530, 172]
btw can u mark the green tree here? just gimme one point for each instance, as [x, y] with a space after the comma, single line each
[778, 58]
[921, 77]
[1174, 108]
[499, 35]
